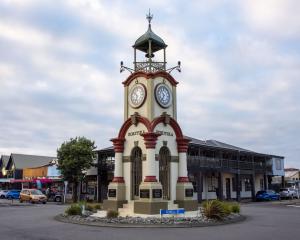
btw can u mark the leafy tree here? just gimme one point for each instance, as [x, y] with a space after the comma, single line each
[74, 158]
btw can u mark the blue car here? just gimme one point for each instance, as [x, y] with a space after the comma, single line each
[267, 195]
[13, 194]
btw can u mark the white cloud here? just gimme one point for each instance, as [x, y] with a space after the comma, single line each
[239, 82]
[22, 34]
[279, 18]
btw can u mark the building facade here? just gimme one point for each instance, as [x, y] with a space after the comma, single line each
[292, 177]
[216, 170]
[29, 171]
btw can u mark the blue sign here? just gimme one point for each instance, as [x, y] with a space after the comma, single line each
[174, 211]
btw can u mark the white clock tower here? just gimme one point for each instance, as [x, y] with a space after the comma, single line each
[150, 150]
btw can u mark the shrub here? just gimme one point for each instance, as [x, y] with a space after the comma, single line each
[89, 207]
[74, 209]
[97, 206]
[227, 207]
[235, 208]
[112, 214]
[213, 209]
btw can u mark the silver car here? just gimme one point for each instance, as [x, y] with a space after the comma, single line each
[289, 193]
[3, 193]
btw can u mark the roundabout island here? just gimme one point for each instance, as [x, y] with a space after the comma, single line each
[211, 213]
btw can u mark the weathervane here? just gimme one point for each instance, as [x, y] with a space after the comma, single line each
[149, 17]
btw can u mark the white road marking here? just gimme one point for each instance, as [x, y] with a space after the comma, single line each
[296, 206]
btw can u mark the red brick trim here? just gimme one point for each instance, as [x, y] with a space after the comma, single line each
[150, 139]
[126, 125]
[118, 180]
[150, 75]
[173, 123]
[183, 179]
[118, 144]
[150, 179]
[182, 144]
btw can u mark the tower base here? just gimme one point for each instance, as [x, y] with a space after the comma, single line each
[113, 204]
[188, 205]
[150, 208]
[116, 196]
[150, 199]
[184, 196]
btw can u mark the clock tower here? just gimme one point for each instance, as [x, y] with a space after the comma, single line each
[150, 149]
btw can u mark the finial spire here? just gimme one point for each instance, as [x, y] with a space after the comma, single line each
[149, 17]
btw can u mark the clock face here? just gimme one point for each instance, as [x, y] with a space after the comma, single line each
[163, 95]
[137, 95]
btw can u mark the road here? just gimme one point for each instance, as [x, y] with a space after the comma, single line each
[264, 221]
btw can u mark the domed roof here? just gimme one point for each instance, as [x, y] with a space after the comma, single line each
[142, 43]
[156, 42]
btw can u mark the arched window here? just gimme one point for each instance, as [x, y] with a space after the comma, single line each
[136, 171]
[164, 171]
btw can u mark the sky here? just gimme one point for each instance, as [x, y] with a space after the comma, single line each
[240, 79]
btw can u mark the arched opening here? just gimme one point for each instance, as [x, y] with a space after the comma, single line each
[164, 171]
[136, 172]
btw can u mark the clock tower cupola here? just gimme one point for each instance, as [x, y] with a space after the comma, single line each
[150, 90]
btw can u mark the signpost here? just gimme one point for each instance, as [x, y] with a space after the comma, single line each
[65, 192]
[173, 212]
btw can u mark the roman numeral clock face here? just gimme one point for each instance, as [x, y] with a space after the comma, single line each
[163, 95]
[137, 95]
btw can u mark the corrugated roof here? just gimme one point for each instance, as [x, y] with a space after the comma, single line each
[4, 159]
[217, 144]
[30, 161]
[106, 149]
[291, 169]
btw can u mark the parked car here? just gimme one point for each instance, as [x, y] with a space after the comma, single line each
[33, 196]
[13, 194]
[266, 195]
[3, 193]
[56, 196]
[289, 193]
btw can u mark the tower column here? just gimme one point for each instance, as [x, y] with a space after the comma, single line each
[182, 146]
[116, 189]
[184, 188]
[119, 148]
[150, 143]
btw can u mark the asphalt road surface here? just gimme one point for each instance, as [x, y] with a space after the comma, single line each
[264, 221]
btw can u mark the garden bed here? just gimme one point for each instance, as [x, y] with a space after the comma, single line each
[213, 212]
[149, 221]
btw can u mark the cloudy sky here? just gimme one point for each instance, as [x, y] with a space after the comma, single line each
[240, 84]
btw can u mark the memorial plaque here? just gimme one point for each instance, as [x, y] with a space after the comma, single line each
[144, 193]
[112, 193]
[189, 192]
[156, 193]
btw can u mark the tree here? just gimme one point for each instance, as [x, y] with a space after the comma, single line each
[74, 158]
